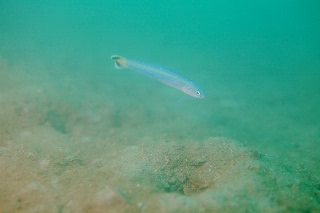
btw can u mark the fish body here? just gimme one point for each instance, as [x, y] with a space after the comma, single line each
[160, 74]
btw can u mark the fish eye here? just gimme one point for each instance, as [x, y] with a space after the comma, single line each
[198, 93]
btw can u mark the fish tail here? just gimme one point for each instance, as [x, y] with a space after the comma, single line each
[119, 61]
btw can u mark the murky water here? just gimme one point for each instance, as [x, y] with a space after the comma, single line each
[78, 135]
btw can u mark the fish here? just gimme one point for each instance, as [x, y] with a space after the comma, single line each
[163, 75]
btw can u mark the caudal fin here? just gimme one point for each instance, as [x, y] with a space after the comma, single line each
[119, 61]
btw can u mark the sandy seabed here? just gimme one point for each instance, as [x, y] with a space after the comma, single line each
[57, 157]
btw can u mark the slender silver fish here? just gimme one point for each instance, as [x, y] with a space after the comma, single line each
[165, 76]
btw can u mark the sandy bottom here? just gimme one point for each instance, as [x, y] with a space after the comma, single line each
[84, 157]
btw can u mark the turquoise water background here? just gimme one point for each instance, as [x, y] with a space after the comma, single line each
[242, 53]
[258, 62]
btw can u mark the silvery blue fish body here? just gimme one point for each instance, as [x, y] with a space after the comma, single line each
[163, 75]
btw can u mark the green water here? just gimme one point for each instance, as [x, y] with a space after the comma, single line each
[258, 62]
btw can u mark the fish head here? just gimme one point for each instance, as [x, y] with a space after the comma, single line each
[194, 91]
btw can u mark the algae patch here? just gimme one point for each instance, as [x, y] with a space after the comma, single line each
[183, 168]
